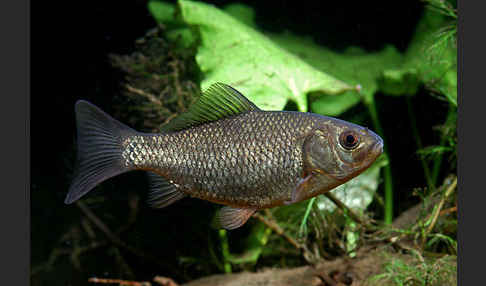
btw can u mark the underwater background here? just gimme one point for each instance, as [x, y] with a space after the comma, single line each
[114, 53]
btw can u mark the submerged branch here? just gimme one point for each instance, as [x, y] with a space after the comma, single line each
[273, 225]
[436, 213]
[152, 98]
[278, 230]
[114, 238]
[345, 208]
[118, 281]
[164, 281]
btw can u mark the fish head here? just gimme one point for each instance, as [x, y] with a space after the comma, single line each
[339, 151]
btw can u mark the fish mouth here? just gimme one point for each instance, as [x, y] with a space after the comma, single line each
[375, 151]
[378, 147]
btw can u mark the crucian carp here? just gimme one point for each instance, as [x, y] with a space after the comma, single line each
[226, 150]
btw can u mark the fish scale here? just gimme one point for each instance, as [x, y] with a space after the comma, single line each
[234, 168]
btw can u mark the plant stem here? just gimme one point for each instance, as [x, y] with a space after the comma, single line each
[225, 250]
[386, 169]
[443, 138]
[306, 215]
[418, 142]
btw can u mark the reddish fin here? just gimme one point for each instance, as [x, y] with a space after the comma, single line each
[231, 218]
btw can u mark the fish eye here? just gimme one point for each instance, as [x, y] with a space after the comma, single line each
[349, 140]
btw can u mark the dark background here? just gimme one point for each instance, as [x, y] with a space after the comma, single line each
[71, 42]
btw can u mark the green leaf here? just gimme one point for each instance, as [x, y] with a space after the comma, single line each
[176, 30]
[242, 13]
[399, 81]
[163, 12]
[353, 66]
[236, 54]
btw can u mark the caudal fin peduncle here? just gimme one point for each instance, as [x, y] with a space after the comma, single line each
[99, 141]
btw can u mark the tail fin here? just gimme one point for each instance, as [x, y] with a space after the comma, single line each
[100, 147]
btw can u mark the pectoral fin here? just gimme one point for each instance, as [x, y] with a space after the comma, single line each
[314, 184]
[231, 218]
[300, 191]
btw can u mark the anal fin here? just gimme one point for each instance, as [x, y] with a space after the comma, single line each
[231, 218]
[162, 192]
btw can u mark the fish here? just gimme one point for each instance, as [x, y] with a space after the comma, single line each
[225, 150]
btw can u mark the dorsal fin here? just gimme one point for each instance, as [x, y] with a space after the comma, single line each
[217, 102]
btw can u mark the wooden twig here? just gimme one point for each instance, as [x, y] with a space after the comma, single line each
[115, 239]
[88, 229]
[101, 225]
[175, 66]
[325, 278]
[278, 230]
[55, 254]
[173, 115]
[118, 281]
[447, 211]
[122, 263]
[77, 251]
[165, 281]
[343, 207]
[441, 204]
[436, 213]
[49, 264]
[152, 98]
[272, 224]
